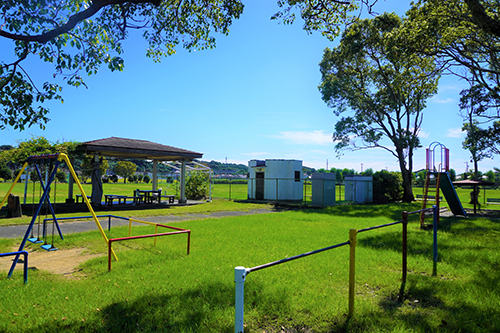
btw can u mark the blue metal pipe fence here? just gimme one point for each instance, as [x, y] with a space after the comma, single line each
[241, 272]
[17, 254]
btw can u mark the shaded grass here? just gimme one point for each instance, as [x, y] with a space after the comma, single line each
[162, 289]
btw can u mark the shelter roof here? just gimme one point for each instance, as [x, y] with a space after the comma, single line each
[473, 182]
[139, 149]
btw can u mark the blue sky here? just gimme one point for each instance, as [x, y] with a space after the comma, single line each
[254, 96]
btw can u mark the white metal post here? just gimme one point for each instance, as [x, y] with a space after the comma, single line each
[240, 274]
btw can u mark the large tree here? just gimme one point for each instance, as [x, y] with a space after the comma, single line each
[125, 169]
[79, 36]
[476, 111]
[464, 35]
[330, 17]
[383, 89]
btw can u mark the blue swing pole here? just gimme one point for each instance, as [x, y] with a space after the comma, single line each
[45, 196]
[33, 218]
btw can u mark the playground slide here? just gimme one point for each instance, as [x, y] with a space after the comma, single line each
[451, 195]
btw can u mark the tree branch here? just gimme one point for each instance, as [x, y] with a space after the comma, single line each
[15, 64]
[482, 19]
[74, 20]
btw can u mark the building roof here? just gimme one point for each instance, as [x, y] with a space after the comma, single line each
[473, 182]
[139, 149]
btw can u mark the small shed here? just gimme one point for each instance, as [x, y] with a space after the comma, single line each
[323, 189]
[358, 189]
[272, 179]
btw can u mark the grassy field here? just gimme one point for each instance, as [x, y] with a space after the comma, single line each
[223, 191]
[162, 289]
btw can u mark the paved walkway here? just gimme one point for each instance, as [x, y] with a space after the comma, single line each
[73, 227]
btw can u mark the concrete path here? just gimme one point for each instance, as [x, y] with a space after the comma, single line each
[73, 227]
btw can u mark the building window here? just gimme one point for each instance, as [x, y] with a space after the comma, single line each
[297, 176]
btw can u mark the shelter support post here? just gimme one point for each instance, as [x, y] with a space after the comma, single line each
[26, 181]
[71, 181]
[182, 199]
[155, 175]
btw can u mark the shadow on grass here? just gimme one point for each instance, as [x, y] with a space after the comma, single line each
[421, 299]
[392, 211]
[471, 291]
[184, 311]
[200, 309]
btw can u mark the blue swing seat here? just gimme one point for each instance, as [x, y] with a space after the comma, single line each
[49, 247]
[35, 240]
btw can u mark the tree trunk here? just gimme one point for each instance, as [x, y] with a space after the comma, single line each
[406, 174]
[407, 186]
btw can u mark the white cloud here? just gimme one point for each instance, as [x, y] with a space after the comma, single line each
[455, 132]
[306, 138]
[423, 134]
[322, 152]
[442, 101]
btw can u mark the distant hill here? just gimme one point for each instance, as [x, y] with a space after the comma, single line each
[144, 166]
[238, 169]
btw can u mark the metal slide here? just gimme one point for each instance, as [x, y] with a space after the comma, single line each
[450, 195]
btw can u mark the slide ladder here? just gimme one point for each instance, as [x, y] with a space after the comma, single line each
[430, 195]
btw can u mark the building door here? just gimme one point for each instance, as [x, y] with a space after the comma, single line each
[259, 185]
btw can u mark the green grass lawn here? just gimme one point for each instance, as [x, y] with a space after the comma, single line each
[220, 191]
[162, 289]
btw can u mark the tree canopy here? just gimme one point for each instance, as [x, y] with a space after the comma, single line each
[80, 36]
[125, 169]
[383, 88]
[37, 146]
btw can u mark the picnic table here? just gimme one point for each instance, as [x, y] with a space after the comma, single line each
[149, 195]
[109, 198]
[79, 196]
[170, 198]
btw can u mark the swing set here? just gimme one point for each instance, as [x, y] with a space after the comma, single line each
[48, 163]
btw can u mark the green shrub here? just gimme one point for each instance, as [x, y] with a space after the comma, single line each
[5, 172]
[387, 186]
[146, 179]
[197, 185]
[61, 176]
